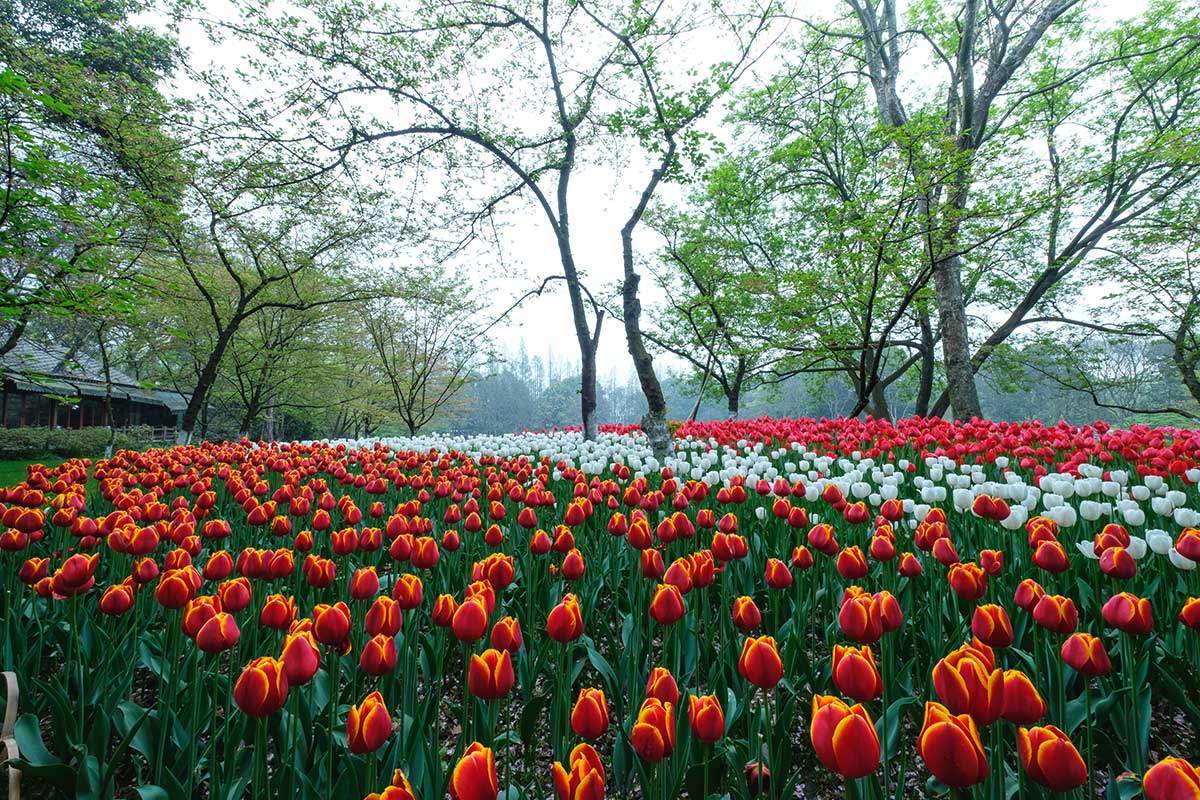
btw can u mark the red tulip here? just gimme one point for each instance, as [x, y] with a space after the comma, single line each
[378, 655]
[1086, 655]
[1050, 759]
[368, 725]
[706, 718]
[331, 624]
[760, 663]
[844, 737]
[565, 622]
[653, 734]
[666, 608]
[992, 626]
[1129, 613]
[951, 748]
[1022, 703]
[262, 687]
[584, 780]
[855, 674]
[661, 685]
[491, 674]
[589, 718]
[1172, 779]
[218, 634]
[1056, 613]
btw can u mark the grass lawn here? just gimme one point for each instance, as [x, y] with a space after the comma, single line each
[13, 472]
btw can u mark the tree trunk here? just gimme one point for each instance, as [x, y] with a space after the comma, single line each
[956, 345]
[703, 386]
[14, 335]
[928, 365]
[208, 377]
[107, 365]
[654, 424]
[879, 402]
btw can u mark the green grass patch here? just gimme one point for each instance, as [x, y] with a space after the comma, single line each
[13, 472]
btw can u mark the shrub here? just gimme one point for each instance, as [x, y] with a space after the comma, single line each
[29, 443]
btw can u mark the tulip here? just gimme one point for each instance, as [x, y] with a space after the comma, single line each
[506, 634]
[1051, 556]
[218, 634]
[301, 657]
[444, 608]
[174, 589]
[1189, 615]
[951, 748]
[891, 617]
[490, 676]
[1022, 703]
[585, 778]
[968, 580]
[117, 599]
[470, 620]
[565, 621]
[278, 612]
[198, 611]
[331, 624]
[760, 663]
[474, 776]
[408, 591]
[653, 734]
[1048, 757]
[706, 718]
[1086, 655]
[910, 566]
[1172, 779]
[589, 718]
[746, 616]
[262, 687]
[860, 618]
[991, 625]
[1056, 613]
[364, 583]
[855, 674]
[802, 557]
[1129, 613]
[852, 564]
[234, 594]
[368, 725]
[661, 685]
[844, 737]
[378, 655]
[400, 789]
[968, 683]
[666, 608]
[1117, 563]
[992, 561]
[777, 575]
[1028, 593]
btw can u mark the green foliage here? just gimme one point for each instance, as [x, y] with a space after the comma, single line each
[30, 443]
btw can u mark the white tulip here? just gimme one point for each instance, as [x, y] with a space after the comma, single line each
[1090, 510]
[1159, 540]
[1134, 516]
[1137, 547]
[1088, 548]
[1181, 562]
[1140, 493]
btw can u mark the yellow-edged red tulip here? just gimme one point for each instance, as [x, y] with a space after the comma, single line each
[1050, 759]
[218, 634]
[991, 625]
[968, 682]
[653, 734]
[368, 725]
[262, 687]
[1129, 613]
[706, 718]
[1022, 703]
[278, 612]
[589, 718]
[1189, 615]
[950, 747]
[584, 780]
[565, 621]
[491, 676]
[759, 662]
[1172, 779]
[661, 685]
[378, 655]
[474, 776]
[470, 620]
[1085, 654]
[331, 623]
[844, 737]
[666, 607]
[1056, 613]
[301, 657]
[746, 616]
[855, 673]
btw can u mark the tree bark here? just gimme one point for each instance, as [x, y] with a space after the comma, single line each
[956, 345]
[928, 365]
[208, 377]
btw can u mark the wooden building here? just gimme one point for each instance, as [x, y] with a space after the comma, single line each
[44, 386]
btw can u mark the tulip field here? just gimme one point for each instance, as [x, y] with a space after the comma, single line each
[785, 608]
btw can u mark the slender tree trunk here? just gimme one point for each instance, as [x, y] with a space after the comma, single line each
[14, 335]
[703, 386]
[106, 363]
[654, 424]
[879, 402]
[205, 381]
[956, 345]
[928, 365]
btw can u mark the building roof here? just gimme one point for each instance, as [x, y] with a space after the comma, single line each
[48, 369]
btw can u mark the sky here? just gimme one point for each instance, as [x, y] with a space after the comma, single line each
[601, 199]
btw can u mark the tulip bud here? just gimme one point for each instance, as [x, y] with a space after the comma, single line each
[589, 718]
[368, 725]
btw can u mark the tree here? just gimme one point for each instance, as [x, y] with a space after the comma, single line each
[588, 77]
[258, 239]
[428, 347]
[84, 157]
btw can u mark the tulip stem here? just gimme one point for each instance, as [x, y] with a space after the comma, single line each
[172, 631]
[191, 753]
[1087, 701]
[334, 681]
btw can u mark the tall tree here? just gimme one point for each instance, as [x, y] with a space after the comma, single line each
[589, 79]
